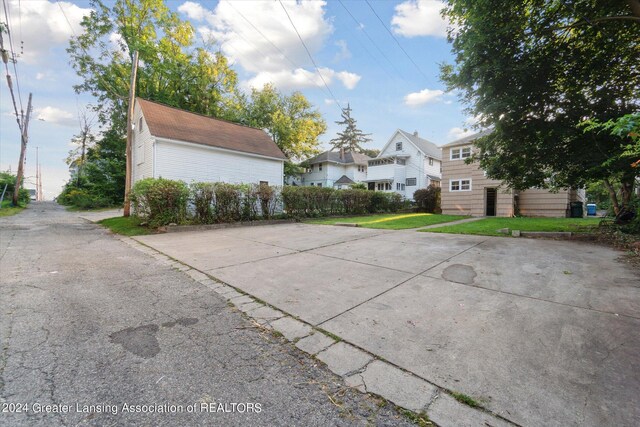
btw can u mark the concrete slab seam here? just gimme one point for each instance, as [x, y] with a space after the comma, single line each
[399, 284]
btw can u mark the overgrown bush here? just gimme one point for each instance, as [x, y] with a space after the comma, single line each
[428, 199]
[81, 198]
[160, 201]
[8, 181]
[202, 197]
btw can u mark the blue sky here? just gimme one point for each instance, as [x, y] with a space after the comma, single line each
[362, 64]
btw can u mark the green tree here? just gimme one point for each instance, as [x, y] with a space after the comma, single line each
[173, 70]
[289, 119]
[351, 138]
[371, 152]
[534, 71]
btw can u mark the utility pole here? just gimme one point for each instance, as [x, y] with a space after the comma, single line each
[23, 149]
[37, 177]
[129, 160]
[40, 186]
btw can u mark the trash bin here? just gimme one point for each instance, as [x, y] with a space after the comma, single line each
[591, 209]
[577, 210]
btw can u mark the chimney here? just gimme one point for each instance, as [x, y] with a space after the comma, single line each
[415, 133]
[341, 153]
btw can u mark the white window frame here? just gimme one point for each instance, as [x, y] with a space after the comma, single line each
[412, 182]
[430, 161]
[460, 153]
[459, 182]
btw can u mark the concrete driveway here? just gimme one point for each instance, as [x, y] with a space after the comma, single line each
[539, 332]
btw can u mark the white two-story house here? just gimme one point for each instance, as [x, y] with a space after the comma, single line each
[405, 164]
[338, 169]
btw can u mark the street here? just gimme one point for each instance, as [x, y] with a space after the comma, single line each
[95, 332]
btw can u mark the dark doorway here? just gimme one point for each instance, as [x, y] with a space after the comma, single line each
[491, 198]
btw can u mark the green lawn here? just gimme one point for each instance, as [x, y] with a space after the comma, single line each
[127, 226]
[8, 210]
[490, 226]
[391, 221]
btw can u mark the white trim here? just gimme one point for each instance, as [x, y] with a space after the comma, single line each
[195, 144]
[451, 181]
[460, 148]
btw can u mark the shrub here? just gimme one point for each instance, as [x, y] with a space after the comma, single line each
[428, 199]
[202, 197]
[228, 202]
[160, 201]
[356, 201]
[268, 200]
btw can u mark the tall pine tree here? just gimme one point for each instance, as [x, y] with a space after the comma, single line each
[352, 137]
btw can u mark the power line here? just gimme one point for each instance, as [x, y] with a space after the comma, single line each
[396, 40]
[267, 39]
[369, 37]
[13, 53]
[108, 87]
[309, 53]
[366, 49]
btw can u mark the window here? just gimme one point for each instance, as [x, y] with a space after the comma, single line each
[398, 146]
[399, 187]
[264, 182]
[460, 153]
[319, 166]
[430, 161]
[319, 184]
[412, 182]
[140, 126]
[387, 186]
[460, 185]
[401, 161]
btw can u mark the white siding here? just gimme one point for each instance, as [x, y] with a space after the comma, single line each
[331, 172]
[417, 166]
[197, 163]
[142, 148]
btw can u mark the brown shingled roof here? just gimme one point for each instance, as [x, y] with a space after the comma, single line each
[171, 123]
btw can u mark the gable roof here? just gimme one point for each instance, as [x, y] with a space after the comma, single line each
[344, 179]
[334, 157]
[171, 123]
[427, 147]
[468, 139]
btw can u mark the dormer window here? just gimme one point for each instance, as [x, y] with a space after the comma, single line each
[398, 146]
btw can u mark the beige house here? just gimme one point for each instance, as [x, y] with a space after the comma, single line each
[466, 190]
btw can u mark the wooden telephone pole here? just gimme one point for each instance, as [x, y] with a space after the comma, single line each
[132, 97]
[23, 149]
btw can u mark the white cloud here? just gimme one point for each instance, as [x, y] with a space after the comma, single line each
[232, 25]
[419, 18]
[43, 26]
[301, 78]
[470, 127]
[56, 115]
[457, 133]
[343, 53]
[425, 96]
[40, 76]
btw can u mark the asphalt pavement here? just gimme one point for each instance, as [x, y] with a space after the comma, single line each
[95, 332]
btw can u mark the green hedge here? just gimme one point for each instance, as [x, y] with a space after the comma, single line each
[161, 201]
[428, 199]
